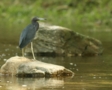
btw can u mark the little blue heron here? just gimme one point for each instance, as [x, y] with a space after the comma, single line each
[28, 34]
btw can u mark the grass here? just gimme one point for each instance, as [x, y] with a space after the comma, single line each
[78, 15]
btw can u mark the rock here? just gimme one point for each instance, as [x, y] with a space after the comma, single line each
[24, 67]
[56, 40]
[11, 65]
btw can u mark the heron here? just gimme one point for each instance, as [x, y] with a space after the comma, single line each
[28, 35]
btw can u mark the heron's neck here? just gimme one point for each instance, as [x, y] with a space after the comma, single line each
[36, 24]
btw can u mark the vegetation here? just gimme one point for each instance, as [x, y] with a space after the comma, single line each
[78, 15]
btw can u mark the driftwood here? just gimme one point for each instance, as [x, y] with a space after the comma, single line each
[24, 67]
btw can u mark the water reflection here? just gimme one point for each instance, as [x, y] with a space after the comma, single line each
[14, 83]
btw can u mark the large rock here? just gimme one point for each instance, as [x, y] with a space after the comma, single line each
[56, 40]
[24, 67]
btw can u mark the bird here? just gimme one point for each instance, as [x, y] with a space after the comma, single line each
[28, 34]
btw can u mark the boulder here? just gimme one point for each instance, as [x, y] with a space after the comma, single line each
[57, 40]
[24, 67]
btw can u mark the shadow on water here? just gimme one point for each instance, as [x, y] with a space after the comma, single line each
[91, 73]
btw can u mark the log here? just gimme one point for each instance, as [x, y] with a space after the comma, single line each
[24, 67]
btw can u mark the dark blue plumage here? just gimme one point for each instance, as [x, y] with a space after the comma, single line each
[29, 32]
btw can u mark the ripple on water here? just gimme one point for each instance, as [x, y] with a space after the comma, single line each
[5, 59]
[71, 63]
[3, 55]
[7, 49]
[24, 85]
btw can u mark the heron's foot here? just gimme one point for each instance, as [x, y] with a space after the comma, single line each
[34, 58]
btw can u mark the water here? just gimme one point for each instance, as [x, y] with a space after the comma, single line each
[91, 73]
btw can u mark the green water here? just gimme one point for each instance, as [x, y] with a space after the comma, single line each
[91, 73]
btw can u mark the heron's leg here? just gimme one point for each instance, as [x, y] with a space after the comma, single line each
[23, 52]
[32, 51]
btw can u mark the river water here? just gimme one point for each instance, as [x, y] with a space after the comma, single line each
[91, 73]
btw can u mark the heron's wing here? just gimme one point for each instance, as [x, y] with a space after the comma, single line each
[27, 35]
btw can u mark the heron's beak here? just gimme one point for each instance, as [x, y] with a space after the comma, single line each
[41, 19]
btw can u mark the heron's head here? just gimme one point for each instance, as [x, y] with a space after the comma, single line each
[37, 19]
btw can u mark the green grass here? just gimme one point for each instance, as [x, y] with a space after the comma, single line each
[78, 15]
